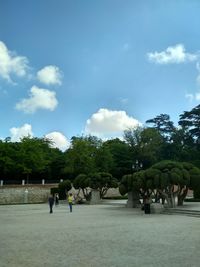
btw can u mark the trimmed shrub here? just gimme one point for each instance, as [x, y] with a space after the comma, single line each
[64, 187]
[54, 190]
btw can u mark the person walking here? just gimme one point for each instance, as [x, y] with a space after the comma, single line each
[51, 203]
[70, 201]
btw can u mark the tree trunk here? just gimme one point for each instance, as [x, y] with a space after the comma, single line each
[133, 199]
[173, 200]
[95, 197]
[136, 199]
[182, 196]
[170, 198]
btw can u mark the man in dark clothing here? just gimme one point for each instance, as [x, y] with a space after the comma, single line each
[51, 202]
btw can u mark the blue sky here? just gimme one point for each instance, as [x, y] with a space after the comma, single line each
[95, 67]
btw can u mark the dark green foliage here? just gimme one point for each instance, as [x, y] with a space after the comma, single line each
[197, 193]
[166, 177]
[123, 189]
[191, 121]
[121, 157]
[175, 176]
[164, 181]
[194, 178]
[192, 200]
[162, 123]
[64, 187]
[81, 181]
[157, 180]
[54, 190]
[101, 181]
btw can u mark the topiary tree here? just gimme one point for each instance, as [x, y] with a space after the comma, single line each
[102, 181]
[64, 187]
[168, 178]
[81, 183]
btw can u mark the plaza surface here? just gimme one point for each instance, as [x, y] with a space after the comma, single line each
[96, 235]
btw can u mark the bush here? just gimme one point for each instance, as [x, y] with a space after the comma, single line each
[196, 193]
[63, 188]
[54, 190]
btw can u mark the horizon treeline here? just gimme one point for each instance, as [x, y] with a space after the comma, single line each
[34, 159]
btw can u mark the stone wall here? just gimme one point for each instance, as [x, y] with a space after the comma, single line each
[24, 194]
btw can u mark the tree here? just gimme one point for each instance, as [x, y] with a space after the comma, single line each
[34, 156]
[9, 160]
[80, 157]
[168, 178]
[191, 121]
[163, 124]
[104, 161]
[64, 187]
[82, 183]
[100, 181]
[151, 146]
[121, 157]
[145, 144]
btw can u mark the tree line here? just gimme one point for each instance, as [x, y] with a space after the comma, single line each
[34, 159]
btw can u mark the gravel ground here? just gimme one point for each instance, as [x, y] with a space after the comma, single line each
[96, 235]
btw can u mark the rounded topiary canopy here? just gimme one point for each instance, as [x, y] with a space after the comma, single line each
[65, 185]
[161, 175]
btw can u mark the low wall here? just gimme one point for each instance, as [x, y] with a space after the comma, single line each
[24, 194]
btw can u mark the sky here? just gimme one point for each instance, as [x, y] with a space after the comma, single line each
[72, 67]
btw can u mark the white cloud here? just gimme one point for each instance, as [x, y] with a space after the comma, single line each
[59, 140]
[109, 122]
[190, 97]
[193, 97]
[18, 133]
[173, 54]
[10, 63]
[39, 99]
[197, 96]
[50, 75]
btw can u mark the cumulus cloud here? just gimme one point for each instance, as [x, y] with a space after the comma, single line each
[39, 99]
[10, 63]
[110, 122]
[58, 140]
[50, 75]
[173, 54]
[19, 133]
